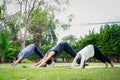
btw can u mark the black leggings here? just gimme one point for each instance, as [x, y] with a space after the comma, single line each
[38, 51]
[98, 55]
[69, 49]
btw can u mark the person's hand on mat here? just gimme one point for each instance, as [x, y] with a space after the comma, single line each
[43, 64]
[85, 65]
[13, 63]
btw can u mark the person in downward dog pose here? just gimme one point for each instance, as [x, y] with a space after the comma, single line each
[86, 53]
[26, 52]
[54, 52]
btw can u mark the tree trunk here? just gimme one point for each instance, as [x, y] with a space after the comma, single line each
[3, 58]
[22, 43]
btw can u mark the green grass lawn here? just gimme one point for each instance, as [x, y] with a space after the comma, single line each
[61, 71]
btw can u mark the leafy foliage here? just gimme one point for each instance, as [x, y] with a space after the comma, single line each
[4, 43]
[42, 26]
[108, 40]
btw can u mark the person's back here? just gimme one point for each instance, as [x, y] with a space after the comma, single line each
[63, 46]
[27, 51]
[87, 52]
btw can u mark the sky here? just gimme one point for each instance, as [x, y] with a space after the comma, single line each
[85, 11]
[89, 11]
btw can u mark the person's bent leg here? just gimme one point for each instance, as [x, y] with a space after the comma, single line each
[98, 54]
[105, 59]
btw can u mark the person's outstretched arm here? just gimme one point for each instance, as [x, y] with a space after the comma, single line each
[82, 62]
[17, 61]
[49, 56]
[75, 61]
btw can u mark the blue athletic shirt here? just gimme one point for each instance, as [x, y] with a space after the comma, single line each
[27, 51]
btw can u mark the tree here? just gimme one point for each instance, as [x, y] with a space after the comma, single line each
[26, 16]
[2, 17]
[109, 39]
[29, 7]
[42, 27]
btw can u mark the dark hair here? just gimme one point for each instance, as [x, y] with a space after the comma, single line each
[78, 60]
[49, 61]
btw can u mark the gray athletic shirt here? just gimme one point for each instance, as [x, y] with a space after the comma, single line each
[27, 51]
